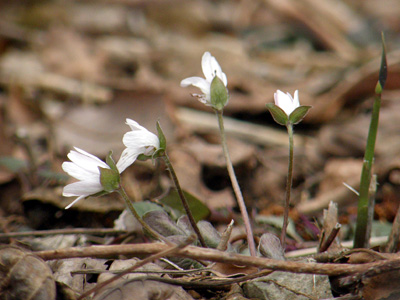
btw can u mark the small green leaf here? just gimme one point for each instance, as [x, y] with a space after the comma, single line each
[298, 114]
[161, 222]
[161, 137]
[219, 94]
[144, 207]
[199, 210]
[109, 179]
[277, 113]
[143, 157]
[110, 162]
[383, 70]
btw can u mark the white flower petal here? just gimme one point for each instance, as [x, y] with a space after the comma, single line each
[139, 140]
[211, 68]
[73, 202]
[82, 188]
[286, 102]
[296, 101]
[84, 167]
[85, 160]
[77, 172]
[127, 158]
[198, 82]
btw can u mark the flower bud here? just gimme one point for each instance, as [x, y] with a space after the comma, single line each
[109, 179]
[219, 94]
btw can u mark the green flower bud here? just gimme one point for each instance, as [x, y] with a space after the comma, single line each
[109, 179]
[219, 94]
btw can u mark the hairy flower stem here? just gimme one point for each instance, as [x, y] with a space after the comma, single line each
[235, 185]
[183, 199]
[289, 180]
[146, 227]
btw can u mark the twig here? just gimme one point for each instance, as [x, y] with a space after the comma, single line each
[394, 236]
[96, 231]
[213, 255]
[328, 241]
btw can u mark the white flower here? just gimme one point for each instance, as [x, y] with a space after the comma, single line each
[84, 167]
[286, 102]
[211, 68]
[138, 141]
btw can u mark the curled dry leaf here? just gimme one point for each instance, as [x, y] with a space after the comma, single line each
[24, 276]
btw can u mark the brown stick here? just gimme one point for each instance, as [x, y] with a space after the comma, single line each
[95, 231]
[214, 255]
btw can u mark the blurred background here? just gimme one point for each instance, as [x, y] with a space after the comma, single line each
[71, 72]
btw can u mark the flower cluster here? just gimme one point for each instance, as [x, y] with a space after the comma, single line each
[95, 176]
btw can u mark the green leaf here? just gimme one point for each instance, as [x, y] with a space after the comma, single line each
[161, 222]
[110, 162]
[161, 137]
[383, 70]
[277, 113]
[144, 207]
[298, 114]
[219, 94]
[109, 179]
[199, 210]
[13, 164]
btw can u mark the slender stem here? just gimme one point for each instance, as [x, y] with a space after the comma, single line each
[361, 238]
[183, 199]
[147, 228]
[289, 180]
[235, 185]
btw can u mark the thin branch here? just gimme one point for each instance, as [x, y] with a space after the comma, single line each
[94, 231]
[216, 256]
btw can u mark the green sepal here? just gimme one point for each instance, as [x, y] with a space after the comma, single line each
[161, 137]
[383, 70]
[143, 157]
[109, 179]
[298, 114]
[111, 163]
[278, 114]
[218, 94]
